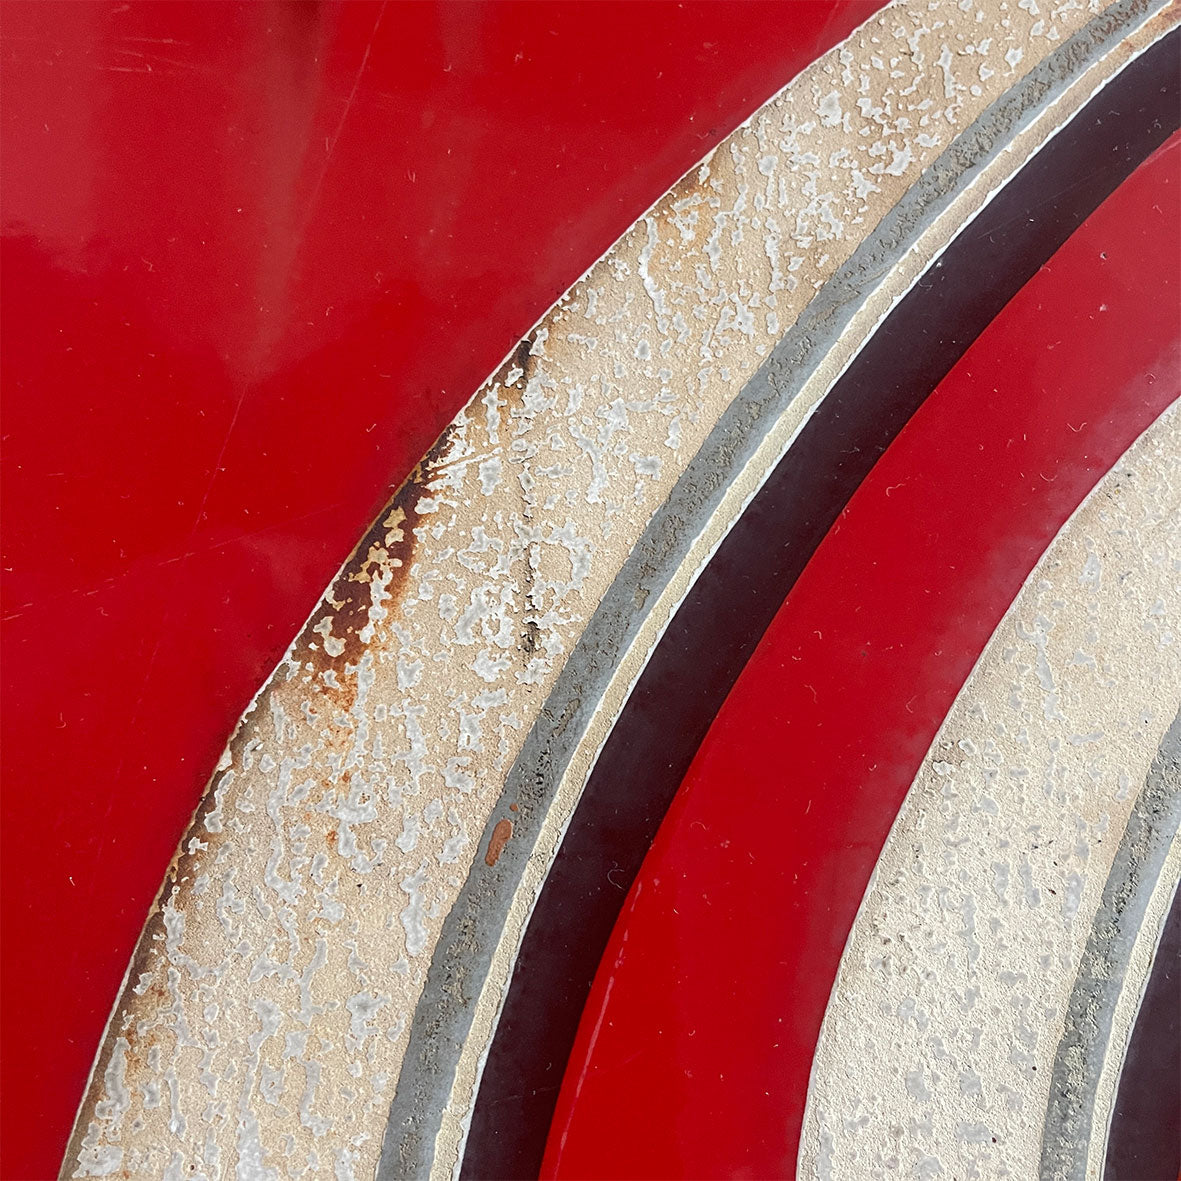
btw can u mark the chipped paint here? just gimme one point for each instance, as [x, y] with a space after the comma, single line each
[456, 1016]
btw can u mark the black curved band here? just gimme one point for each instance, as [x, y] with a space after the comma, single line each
[1145, 1137]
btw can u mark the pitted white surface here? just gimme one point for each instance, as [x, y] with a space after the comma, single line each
[938, 1044]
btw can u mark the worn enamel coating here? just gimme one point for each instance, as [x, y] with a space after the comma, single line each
[460, 1005]
[266, 1009]
[958, 972]
[256, 255]
[832, 717]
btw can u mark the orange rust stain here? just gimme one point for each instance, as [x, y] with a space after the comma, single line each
[389, 544]
[512, 807]
[691, 184]
[500, 837]
[521, 358]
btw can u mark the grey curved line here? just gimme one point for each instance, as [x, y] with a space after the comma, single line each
[463, 955]
[1135, 874]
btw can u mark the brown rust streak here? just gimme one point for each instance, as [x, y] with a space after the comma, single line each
[347, 603]
[388, 545]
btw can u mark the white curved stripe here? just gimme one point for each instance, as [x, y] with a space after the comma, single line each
[458, 1107]
[938, 1046]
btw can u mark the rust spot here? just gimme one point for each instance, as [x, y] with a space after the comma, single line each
[689, 185]
[387, 548]
[331, 838]
[522, 359]
[512, 807]
[500, 837]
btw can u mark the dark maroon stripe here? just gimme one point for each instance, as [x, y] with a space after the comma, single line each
[720, 623]
[1145, 1139]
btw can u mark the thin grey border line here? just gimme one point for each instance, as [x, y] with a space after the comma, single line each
[463, 955]
[1131, 884]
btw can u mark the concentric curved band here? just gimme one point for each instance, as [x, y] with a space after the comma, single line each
[715, 628]
[453, 1022]
[345, 907]
[694, 1050]
[974, 959]
[1130, 918]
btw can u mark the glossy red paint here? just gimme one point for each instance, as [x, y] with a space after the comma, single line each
[694, 1051]
[255, 257]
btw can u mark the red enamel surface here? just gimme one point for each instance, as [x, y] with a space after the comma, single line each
[694, 1051]
[255, 256]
